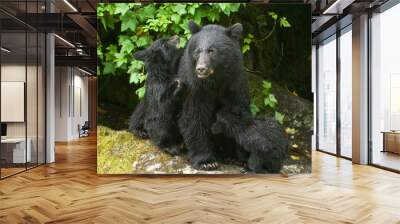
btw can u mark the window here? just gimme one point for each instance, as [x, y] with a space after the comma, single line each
[346, 92]
[327, 95]
[22, 101]
[385, 89]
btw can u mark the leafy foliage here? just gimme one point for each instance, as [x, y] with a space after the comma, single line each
[133, 26]
[269, 102]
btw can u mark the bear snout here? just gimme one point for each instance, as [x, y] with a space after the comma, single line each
[203, 72]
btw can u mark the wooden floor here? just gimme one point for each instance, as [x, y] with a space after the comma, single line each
[69, 191]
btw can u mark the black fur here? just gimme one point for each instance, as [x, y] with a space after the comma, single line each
[263, 140]
[136, 121]
[212, 69]
[157, 115]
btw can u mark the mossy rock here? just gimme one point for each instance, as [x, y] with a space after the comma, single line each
[120, 152]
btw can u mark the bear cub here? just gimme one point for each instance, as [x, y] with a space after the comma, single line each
[263, 140]
[156, 116]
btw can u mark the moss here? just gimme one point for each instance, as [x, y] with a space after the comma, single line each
[120, 152]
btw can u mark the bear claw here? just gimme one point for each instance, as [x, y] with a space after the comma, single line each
[209, 166]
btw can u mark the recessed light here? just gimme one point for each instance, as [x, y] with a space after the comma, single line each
[84, 71]
[70, 5]
[64, 40]
[5, 50]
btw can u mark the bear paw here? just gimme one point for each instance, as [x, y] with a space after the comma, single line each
[141, 134]
[207, 165]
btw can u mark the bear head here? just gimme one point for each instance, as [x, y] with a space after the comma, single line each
[162, 55]
[213, 49]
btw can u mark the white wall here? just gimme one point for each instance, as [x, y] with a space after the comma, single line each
[71, 102]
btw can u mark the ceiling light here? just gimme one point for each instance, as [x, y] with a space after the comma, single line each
[70, 5]
[64, 40]
[84, 71]
[5, 50]
[338, 6]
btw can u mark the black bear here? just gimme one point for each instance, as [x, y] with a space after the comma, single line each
[136, 121]
[212, 69]
[262, 138]
[156, 116]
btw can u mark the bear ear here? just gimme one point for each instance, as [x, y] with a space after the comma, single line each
[174, 41]
[140, 55]
[235, 31]
[193, 27]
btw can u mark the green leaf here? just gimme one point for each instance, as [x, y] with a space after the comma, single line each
[127, 46]
[176, 18]
[273, 15]
[283, 22]
[254, 109]
[279, 117]
[128, 21]
[245, 48]
[180, 9]
[121, 8]
[143, 41]
[140, 92]
[266, 84]
[134, 78]
[192, 8]
[270, 101]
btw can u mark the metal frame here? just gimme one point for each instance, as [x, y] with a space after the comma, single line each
[44, 75]
[380, 9]
[338, 153]
[389, 4]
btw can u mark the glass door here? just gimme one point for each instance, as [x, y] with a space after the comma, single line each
[346, 92]
[327, 95]
[385, 89]
[14, 153]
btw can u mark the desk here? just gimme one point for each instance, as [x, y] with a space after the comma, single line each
[391, 141]
[13, 150]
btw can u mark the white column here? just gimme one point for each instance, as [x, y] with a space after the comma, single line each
[50, 110]
[360, 90]
[314, 91]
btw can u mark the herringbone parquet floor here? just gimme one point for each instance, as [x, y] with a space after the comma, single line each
[69, 191]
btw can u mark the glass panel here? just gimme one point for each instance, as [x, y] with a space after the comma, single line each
[346, 94]
[13, 89]
[32, 86]
[41, 99]
[385, 92]
[327, 96]
[32, 96]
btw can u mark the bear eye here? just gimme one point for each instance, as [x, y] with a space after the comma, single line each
[196, 53]
[211, 51]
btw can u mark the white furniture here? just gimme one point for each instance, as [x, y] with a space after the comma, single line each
[18, 150]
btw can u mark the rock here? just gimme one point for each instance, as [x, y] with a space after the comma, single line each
[298, 120]
[120, 152]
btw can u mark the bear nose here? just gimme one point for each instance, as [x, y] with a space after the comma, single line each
[201, 70]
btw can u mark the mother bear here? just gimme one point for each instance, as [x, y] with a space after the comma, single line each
[212, 69]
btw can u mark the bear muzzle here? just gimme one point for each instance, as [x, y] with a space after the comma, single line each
[203, 72]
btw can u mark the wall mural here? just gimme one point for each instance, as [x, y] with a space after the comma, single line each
[204, 88]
